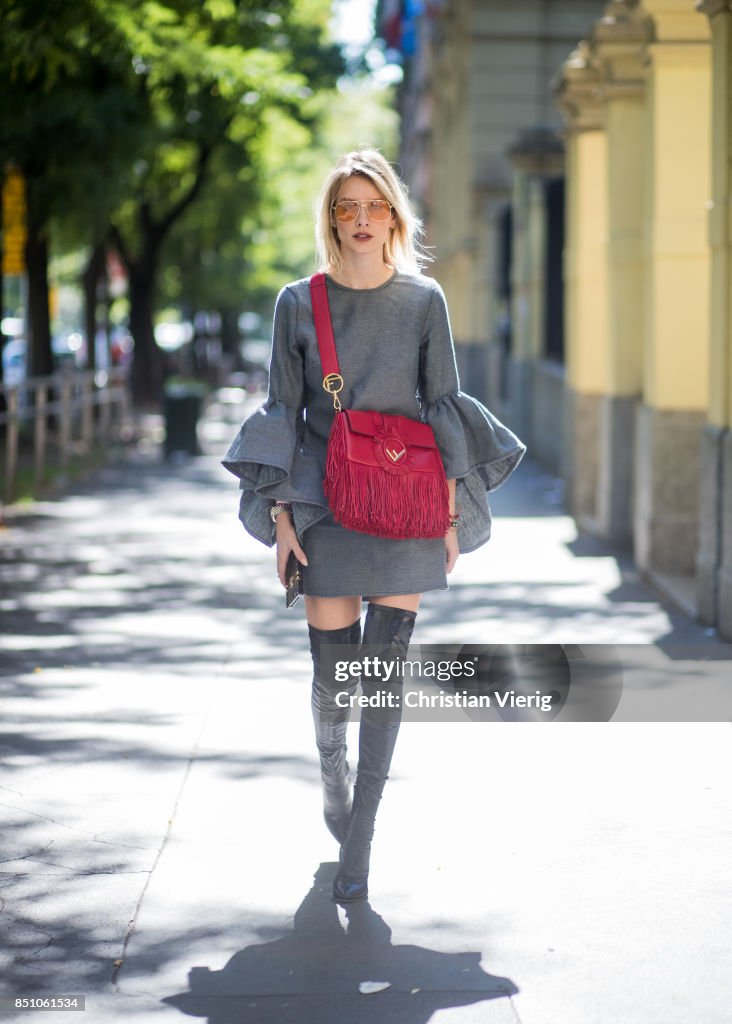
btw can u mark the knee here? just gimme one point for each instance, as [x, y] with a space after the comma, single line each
[389, 628]
[333, 651]
[329, 613]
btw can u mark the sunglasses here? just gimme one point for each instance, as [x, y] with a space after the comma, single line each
[346, 210]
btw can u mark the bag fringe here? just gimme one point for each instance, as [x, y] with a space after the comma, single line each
[371, 500]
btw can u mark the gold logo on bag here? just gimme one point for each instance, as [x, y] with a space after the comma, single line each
[394, 455]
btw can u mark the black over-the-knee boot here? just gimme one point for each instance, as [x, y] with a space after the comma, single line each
[331, 722]
[387, 632]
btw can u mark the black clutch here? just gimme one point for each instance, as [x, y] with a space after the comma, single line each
[293, 581]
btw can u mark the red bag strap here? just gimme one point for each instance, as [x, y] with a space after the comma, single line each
[332, 380]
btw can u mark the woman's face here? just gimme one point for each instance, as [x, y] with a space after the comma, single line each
[364, 235]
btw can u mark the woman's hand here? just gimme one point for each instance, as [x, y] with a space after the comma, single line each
[286, 542]
[451, 549]
[451, 542]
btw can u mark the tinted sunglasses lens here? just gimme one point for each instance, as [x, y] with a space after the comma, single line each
[379, 211]
[346, 211]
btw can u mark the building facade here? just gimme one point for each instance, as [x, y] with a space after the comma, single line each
[572, 161]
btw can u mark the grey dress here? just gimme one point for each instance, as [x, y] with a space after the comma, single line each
[396, 355]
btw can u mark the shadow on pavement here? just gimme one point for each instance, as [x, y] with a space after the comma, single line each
[312, 975]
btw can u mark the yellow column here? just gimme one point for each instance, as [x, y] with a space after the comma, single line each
[587, 269]
[676, 291]
[536, 270]
[587, 359]
[678, 176]
[720, 214]
[537, 154]
[714, 563]
[617, 47]
[520, 269]
[453, 177]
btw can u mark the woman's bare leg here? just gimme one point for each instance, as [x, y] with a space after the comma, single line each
[332, 612]
[408, 601]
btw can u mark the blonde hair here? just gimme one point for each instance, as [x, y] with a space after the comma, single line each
[402, 248]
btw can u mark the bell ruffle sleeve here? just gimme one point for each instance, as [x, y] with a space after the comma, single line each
[267, 454]
[476, 448]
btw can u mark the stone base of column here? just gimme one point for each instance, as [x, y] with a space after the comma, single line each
[580, 456]
[548, 395]
[724, 604]
[521, 401]
[709, 554]
[666, 504]
[615, 471]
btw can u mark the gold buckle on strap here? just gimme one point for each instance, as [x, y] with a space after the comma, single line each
[333, 383]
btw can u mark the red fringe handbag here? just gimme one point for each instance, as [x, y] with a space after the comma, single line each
[383, 473]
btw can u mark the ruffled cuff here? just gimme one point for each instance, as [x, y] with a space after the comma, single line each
[480, 452]
[271, 462]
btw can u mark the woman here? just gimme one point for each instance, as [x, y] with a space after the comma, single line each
[396, 355]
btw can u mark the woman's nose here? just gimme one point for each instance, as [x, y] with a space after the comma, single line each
[363, 217]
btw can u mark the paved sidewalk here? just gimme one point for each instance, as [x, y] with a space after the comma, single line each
[163, 850]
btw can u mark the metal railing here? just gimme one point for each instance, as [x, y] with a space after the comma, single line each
[58, 417]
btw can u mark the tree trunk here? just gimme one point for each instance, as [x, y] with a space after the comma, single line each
[147, 364]
[40, 362]
[230, 333]
[92, 277]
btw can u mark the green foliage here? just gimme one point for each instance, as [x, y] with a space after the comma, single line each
[69, 117]
[109, 104]
[200, 129]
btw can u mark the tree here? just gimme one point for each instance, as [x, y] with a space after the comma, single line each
[68, 121]
[115, 110]
[209, 72]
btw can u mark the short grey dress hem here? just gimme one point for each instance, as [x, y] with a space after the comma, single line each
[346, 563]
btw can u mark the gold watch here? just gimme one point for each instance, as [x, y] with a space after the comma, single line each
[278, 507]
